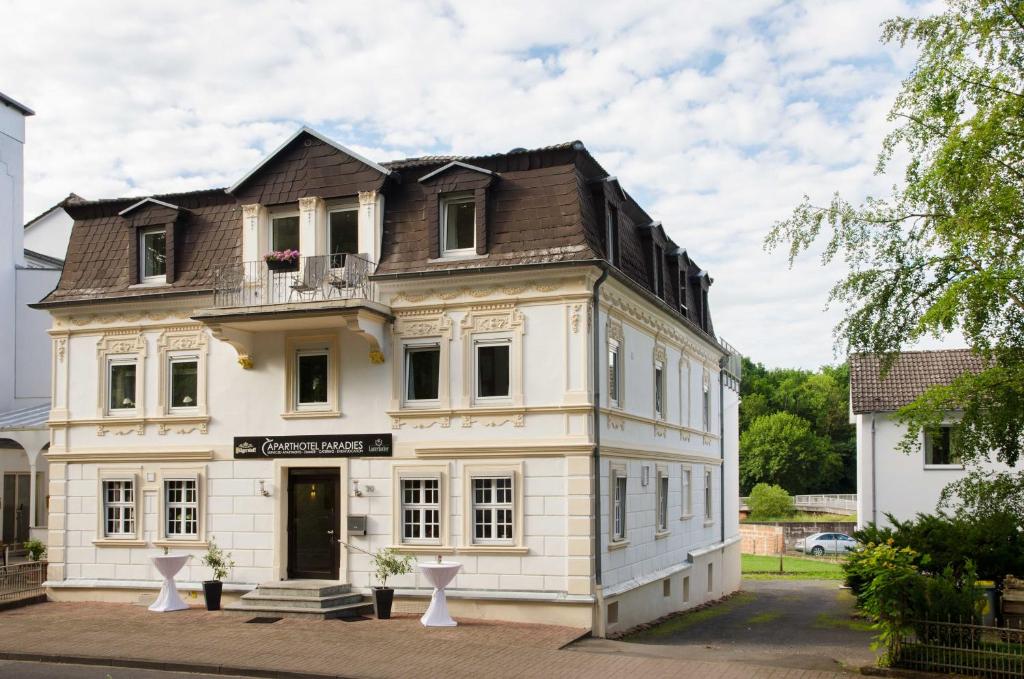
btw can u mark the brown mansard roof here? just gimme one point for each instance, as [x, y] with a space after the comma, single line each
[911, 374]
[546, 205]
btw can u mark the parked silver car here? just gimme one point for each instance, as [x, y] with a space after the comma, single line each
[820, 544]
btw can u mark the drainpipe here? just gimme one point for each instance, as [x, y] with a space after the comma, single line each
[874, 497]
[721, 443]
[597, 422]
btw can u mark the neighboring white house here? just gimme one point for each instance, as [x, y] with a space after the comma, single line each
[25, 276]
[47, 234]
[889, 481]
[529, 383]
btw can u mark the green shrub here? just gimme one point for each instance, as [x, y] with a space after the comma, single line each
[992, 543]
[769, 500]
[35, 548]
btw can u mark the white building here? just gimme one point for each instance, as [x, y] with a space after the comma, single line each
[25, 276]
[528, 383]
[888, 480]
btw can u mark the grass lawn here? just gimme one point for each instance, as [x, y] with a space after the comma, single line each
[757, 567]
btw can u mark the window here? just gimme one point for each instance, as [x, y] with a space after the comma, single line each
[619, 506]
[711, 577]
[682, 291]
[612, 235]
[492, 369]
[152, 256]
[343, 236]
[492, 510]
[181, 502]
[658, 271]
[686, 492]
[666, 587]
[686, 589]
[119, 508]
[458, 224]
[614, 371]
[706, 403]
[939, 446]
[184, 384]
[284, 233]
[311, 377]
[684, 391]
[708, 507]
[422, 371]
[421, 511]
[704, 310]
[662, 500]
[121, 385]
[659, 390]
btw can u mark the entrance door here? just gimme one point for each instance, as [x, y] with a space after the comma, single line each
[15, 508]
[313, 521]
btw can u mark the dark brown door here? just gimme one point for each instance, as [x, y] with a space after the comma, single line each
[313, 521]
[16, 514]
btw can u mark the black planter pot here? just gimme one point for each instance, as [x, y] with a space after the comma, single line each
[275, 265]
[212, 590]
[383, 597]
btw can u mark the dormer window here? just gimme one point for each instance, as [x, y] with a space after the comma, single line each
[659, 271]
[284, 233]
[153, 256]
[458, 224]
[682, 290]
[612, 235]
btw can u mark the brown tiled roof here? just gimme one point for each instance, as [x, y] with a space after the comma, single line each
[912, 373]
[544, 205]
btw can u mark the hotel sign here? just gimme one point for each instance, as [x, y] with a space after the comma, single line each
[328, 445]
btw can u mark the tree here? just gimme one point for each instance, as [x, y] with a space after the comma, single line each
[945, 251]
[782, 449]
[768, 501]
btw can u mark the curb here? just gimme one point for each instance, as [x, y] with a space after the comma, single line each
[142, 664]
[875, 671]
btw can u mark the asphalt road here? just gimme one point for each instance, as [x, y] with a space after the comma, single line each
[797, 624]
[11, 669]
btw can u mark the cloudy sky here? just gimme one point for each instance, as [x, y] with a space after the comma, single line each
[717, 117]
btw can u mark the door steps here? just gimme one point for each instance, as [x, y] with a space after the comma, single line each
[309, 599]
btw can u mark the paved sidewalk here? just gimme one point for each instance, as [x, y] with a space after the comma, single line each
[217, 643]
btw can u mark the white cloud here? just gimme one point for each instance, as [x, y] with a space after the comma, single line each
[719, 117]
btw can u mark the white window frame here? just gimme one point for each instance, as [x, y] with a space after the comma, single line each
[685, 492]
[423, 506]
[428, 472]
[345, 208]
[312, 405]
[123, 475]
[443, 203]
[709, 497]
[272, 217]
[183, 505]
[144, 277]
[111, 362]
[171, 361]
[494, 506]
[659, 389]
[926, 446]
[611, 230]
[615, 374]
[493, 545]
[684, 391]
[618, 505]
[123, 506]
[479, 343]
[706, 402]
[308, 345]
[414, 347]
[662, 489]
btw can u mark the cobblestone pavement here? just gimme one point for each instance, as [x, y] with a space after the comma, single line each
[400, 647]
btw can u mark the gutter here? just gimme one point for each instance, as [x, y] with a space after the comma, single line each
[874, 497]
[721, 445]
[597, 424]
[58, 304]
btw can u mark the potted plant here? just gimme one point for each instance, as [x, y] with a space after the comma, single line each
[387, 562]
[282, 260]
[35, 548]
[221, 563]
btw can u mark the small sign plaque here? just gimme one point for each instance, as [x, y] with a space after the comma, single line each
[325, 445]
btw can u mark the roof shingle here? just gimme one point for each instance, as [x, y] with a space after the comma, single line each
[911, 374]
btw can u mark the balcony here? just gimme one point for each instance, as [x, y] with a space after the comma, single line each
[320, 278]
[316, 292]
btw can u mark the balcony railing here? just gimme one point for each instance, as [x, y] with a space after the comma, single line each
[318, 278]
